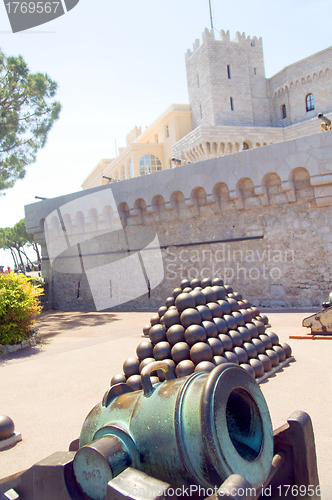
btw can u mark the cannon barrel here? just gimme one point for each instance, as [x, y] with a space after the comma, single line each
[324, 119]
[194, 430]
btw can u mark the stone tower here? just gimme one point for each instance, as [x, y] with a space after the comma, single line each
[226, 81]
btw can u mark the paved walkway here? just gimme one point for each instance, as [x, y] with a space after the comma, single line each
[48, 390]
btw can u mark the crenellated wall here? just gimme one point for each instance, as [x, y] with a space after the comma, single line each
[260, 218]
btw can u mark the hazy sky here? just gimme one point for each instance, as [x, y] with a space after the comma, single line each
[120, 64]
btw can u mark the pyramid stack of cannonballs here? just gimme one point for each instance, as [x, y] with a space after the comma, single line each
[205, 324]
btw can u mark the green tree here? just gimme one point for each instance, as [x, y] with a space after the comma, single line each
[27, 114]
[14, 239]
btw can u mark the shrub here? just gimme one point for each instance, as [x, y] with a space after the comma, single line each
[19, 305]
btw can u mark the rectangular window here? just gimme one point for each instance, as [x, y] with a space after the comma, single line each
[231, 103]
[228, 71]
[201, 111]
[197, 80]
[254, 71]
[166, 131]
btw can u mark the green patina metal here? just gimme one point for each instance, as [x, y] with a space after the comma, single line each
[197, 430]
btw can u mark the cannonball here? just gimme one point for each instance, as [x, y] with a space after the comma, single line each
[215, 309]
[266, 341]
[198, 288]
[210, 328]
[170, 301]
[190, 317]
[280, 351]
[200, 352]
[154, 380]
[225, 306]
[195, 282]
[246, 302]
[146, 330]
[7, 427]
[220, 291]
[246, 314]
[161, 311]
[184, 284]
[252, 329]
[241, 354]
[117, 379]
[236, 338]
[233, 303]
[204, 366]
[162, 321]
[237, 296]
[144, 350]
[231, 321]
[251, 350]
[248, 369]
[171, 317]
[217, 282]
[221, 324]
[273, 336]
[229, 289]
[273, 356]
[172, 308]
[180, 351]
[260, 347]
[194, 334]
[267, 363]
[187, 289]
[257, 366]
[135, 382]
[205, 313]
[210, 294]
[230, 296]
[218, 360]
[184, 368]
[231, 357]
[131, 367]
[162, 350]
[226, 341]
[158, 333]
[206, 282]
[155, 320]
[264, 319]
[255, 310]
[175, 334]
[239, 318]
[241, 304]
[145, 362]
[287, 348]
[184, 301]
[260, 326]
[200, 299]
[161, 374]
[245, 334]
[176, 292]
[216, 346]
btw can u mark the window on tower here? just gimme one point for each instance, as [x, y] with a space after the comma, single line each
[310, 103]
[231, 103]
[283, 111]
[201, 111]
[197, 76]
[228, 71]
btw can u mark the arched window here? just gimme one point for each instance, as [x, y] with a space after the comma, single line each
[310, 104]
[245, 146]
[149, 164]
[283, 111]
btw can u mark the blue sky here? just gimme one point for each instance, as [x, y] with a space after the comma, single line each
[120, 64]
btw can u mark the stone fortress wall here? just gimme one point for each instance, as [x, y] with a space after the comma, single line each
[260, 219]
[219, 71]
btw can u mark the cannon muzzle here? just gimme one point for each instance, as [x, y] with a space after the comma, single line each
[194, 430]
[324, 119]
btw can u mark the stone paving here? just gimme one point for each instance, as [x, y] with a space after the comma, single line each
[49, 389]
